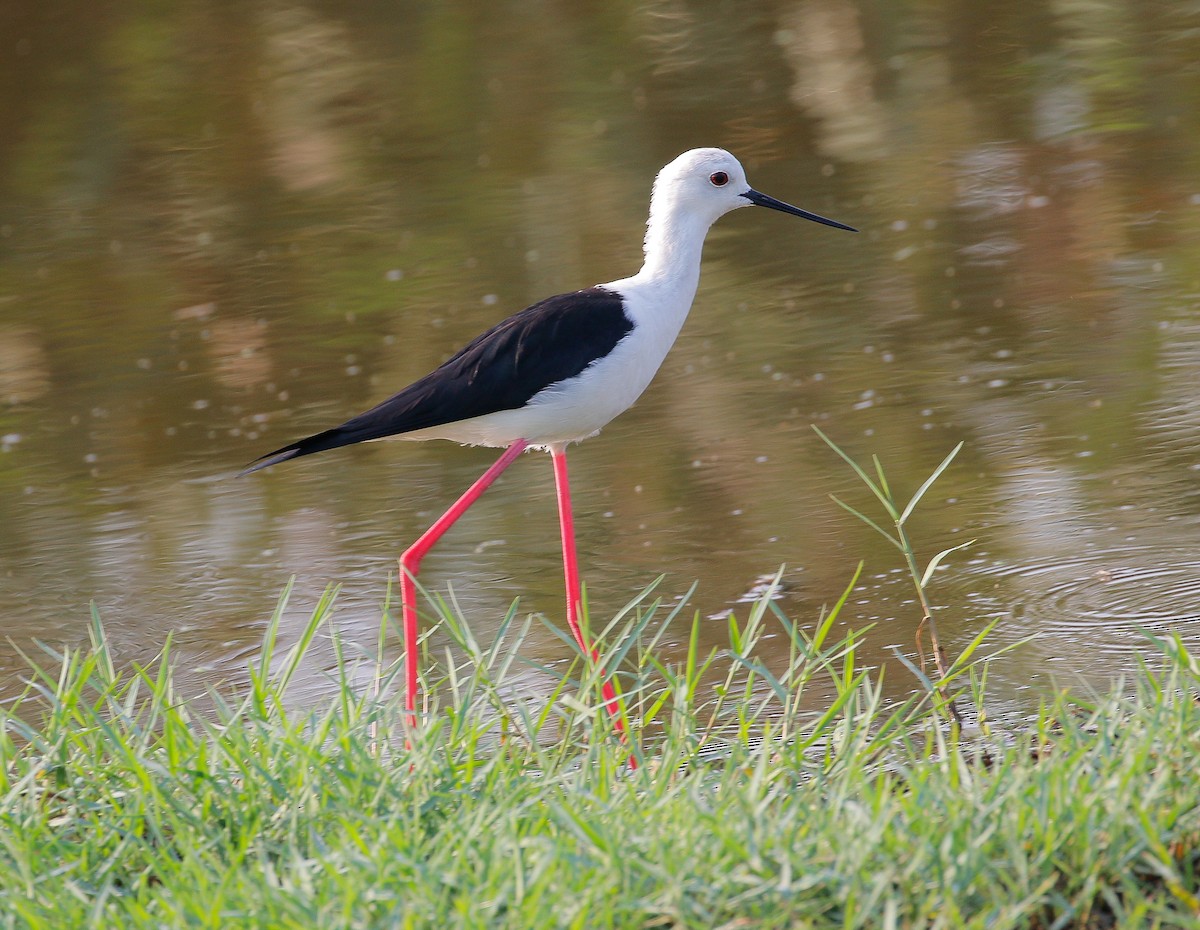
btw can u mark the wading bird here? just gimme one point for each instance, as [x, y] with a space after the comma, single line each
[558, 371]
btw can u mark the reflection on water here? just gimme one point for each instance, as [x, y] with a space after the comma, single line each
[225, 227]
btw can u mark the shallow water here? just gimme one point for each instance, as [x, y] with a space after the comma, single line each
[222, 228]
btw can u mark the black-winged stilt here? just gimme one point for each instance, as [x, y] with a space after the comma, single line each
[558, 371]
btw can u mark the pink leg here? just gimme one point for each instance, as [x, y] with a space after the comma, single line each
[571, 570]
[410, 564]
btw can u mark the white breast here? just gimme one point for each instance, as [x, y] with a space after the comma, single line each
[581, 406]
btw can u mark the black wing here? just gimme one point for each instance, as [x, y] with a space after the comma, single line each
[501, 369]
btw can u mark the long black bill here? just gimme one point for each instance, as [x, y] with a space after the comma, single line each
[762, 200]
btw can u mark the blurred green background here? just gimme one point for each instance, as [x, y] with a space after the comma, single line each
[227, 225]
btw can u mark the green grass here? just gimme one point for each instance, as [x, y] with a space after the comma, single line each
[122, 805]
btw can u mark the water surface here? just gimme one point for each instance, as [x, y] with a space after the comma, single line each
[226, 226]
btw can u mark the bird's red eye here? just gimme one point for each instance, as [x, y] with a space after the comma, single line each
[719, 178]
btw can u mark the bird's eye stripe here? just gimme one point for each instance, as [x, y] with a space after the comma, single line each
[719, 178]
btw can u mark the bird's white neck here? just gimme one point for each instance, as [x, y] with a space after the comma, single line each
[674, 241]
[671, 267]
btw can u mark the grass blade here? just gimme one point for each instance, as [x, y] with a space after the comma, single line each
[880, 492]
[928, 483]
[936, 560]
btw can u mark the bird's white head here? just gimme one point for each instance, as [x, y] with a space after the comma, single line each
[693, 192]
[706, 183]
[709, 183]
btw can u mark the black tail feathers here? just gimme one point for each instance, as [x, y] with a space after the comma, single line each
[330, 439]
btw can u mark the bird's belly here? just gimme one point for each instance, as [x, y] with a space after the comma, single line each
[566, 411]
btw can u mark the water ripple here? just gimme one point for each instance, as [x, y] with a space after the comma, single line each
[1098, 598]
